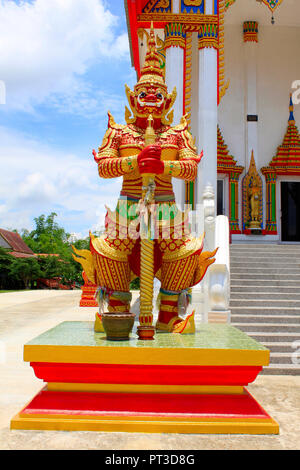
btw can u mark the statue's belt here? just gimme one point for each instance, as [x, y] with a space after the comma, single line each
[157, 197]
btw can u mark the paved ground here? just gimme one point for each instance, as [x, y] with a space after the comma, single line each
[25, 315]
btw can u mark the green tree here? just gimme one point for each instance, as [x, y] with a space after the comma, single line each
[49, 238]
[135, 284]
[5, 262]
[50, 267]
[25, 270]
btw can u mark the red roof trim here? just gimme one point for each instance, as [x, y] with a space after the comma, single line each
[16, 254]
[132, 11]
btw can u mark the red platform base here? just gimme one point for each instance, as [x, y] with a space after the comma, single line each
[136, 412]
[173, 384]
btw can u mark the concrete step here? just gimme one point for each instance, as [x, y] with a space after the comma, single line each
[265, 300]
[269, 276]
[280, 346]
[265, 289]
[265, 270]
[281, 369]
[266, 295]
[281, 358]
[252, 252]
[268, 327]
[263, 336]
[251, 255]
[265, 246]
[274, 283]
[280, 255]
[273, 263]
[286, 319]
[264, 310]
[262, 303]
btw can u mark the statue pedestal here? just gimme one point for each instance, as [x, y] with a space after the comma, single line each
[88, 293]
[174, 384]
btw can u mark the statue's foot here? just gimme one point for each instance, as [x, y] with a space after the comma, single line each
[98, 326]
[187, 326]
[168, 327]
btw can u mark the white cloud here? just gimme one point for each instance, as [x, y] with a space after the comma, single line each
[37, 179]
[90, 102]
[47, 46]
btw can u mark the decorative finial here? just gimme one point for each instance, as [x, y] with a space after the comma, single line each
[291, 118]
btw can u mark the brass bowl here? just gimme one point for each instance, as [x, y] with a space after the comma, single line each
[118, 326]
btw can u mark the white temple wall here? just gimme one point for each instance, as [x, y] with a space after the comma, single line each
[278, 67]
[231, 111]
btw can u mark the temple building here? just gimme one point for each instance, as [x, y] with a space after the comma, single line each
[15, 246]
[236, 68]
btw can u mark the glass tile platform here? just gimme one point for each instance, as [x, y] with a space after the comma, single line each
[176, 383]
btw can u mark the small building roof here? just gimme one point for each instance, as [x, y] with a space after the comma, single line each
[17, 245]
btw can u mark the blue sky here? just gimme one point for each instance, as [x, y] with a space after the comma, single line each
[64, 64]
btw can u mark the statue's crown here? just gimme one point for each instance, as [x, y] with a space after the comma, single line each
[152, 71]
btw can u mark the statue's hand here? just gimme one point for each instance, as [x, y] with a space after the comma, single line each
[149, 160]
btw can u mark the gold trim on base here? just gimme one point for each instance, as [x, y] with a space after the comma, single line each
[141, 388]
[146, 424]
[145, 356]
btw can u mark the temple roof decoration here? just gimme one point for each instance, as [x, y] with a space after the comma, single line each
[192, 6]
[250, 31]
[223, 86]
[140, 14]
[158, 6]
[272, 4]
[208, 36]
[287, 158]
[175, 35]
[226, 162]
[228, 3]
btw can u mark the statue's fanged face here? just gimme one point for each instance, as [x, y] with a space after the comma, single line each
[149, 99]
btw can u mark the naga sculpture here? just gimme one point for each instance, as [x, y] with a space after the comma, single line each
[147, 153]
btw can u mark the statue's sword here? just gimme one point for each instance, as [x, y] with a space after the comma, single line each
[146, 329]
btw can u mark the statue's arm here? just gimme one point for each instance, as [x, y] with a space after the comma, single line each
[110, 163]
[187, 164]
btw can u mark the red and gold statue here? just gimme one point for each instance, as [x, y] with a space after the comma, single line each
[147, 153]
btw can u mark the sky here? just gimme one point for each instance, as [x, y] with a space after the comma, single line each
[64, 64]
